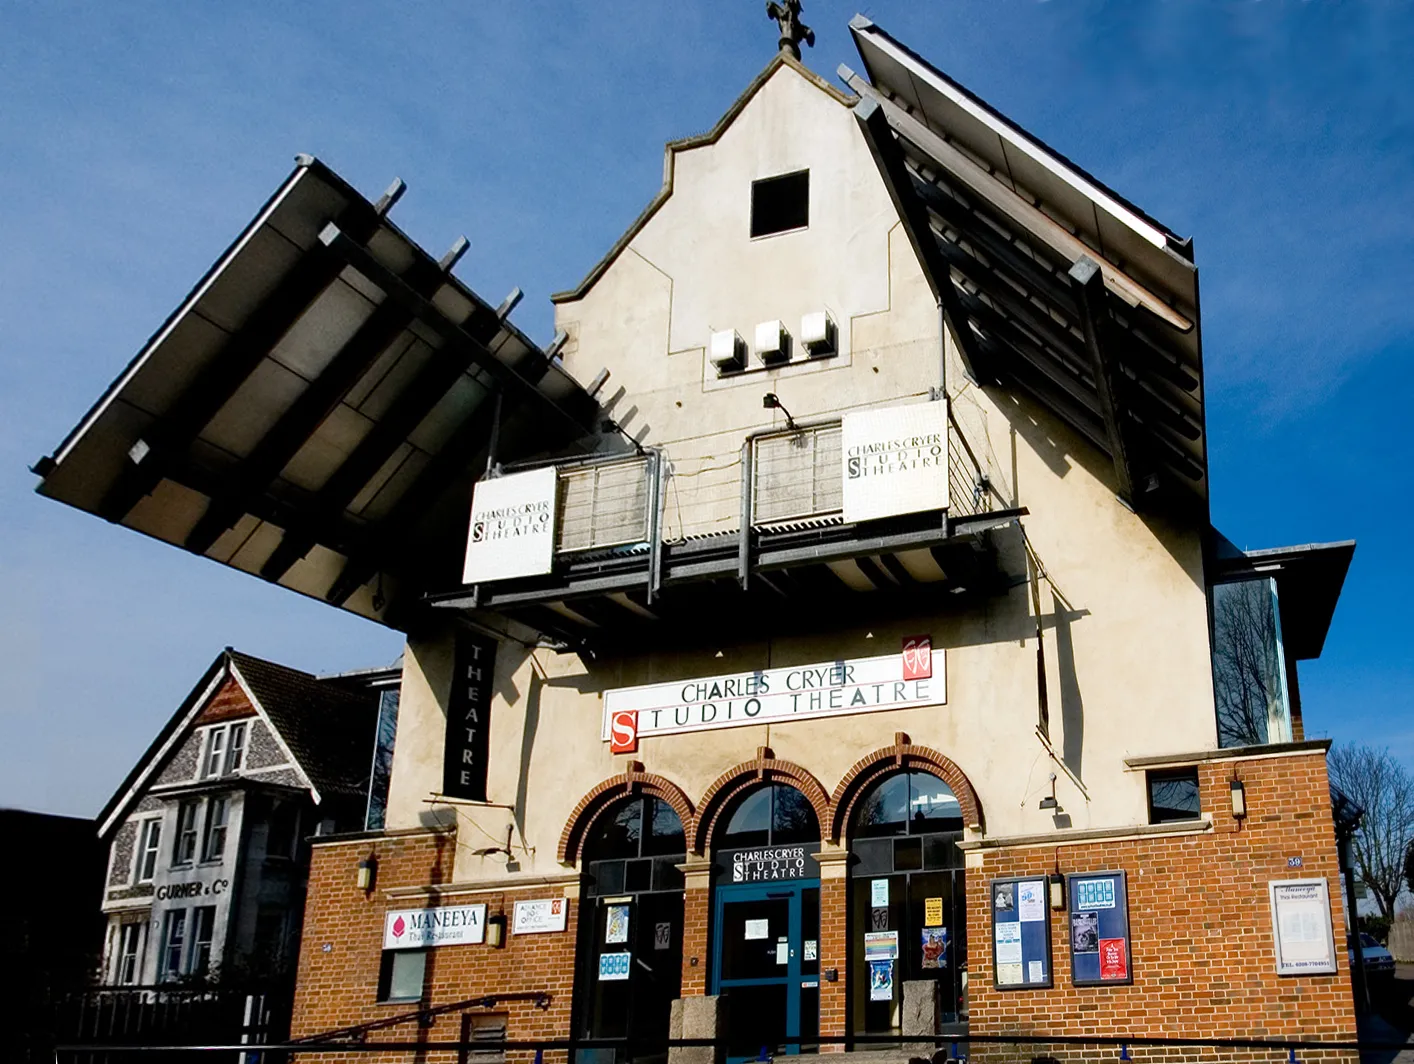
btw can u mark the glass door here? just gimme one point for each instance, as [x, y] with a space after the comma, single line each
[765, 968]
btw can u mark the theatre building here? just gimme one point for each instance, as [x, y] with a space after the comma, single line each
[825, 636]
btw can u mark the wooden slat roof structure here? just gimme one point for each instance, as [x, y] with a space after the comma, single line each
[1052, 284]
[317, 409]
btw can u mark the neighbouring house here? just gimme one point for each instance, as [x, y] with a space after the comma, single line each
[208, 837]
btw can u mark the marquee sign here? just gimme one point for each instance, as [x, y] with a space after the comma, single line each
[894, 460]
[915, 677]
[512, 528]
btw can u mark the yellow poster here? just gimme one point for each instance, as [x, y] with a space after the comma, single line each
[932, 912]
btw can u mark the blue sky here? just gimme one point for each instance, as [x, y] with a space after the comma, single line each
[137, 139]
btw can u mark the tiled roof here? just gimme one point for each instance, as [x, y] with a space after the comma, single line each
[327, 725]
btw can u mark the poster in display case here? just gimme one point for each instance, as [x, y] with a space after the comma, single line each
[1021, 934]
[1099, 929]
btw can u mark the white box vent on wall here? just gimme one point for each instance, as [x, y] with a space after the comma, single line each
[772, 342]
[727, 351]
[817, 334]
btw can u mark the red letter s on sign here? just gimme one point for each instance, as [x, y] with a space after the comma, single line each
[623, 732]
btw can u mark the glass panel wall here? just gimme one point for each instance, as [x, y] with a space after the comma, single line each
[630, 945]
[1249, 665]
[907, 911]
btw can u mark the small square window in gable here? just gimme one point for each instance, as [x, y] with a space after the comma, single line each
[780, 204]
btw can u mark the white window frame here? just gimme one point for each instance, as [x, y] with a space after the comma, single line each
[178, 861]
[128, 969]
[149, 844]
[223, 749]
[214, 854]
[192, 961]
[175, 920]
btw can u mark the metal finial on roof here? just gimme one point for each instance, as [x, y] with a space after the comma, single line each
[793, 31]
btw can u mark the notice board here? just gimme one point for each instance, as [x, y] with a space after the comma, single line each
[1301, 927]
[1021, 934]
[1099, 930]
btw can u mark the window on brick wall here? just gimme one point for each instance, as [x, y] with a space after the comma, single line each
[1173, 795]
[401, 974]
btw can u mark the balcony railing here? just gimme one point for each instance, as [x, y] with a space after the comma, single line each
[794, 479]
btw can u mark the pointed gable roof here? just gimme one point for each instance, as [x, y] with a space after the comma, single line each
[325, 725]
[671, 149]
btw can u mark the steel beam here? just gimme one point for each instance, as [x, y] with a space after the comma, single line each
[888, 157]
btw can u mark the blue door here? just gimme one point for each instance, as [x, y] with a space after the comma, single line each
[765, 965]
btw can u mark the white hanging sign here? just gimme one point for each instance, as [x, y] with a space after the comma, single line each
[894, 460]
[512, 528]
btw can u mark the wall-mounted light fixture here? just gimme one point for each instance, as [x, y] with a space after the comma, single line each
[1049, 802]
[496, 930]
[1239, 798]
[771, 401]
[367, 873]
[1056, 882]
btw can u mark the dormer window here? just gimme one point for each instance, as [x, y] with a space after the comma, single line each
[225, 750]
[780, 204]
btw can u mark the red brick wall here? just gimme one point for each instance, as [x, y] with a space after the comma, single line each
[228, 703]
[696, 916]
[1200, 922]
[834, 953]
[343, 939]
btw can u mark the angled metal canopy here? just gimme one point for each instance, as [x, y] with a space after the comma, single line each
[318, 407]
[1051, 284]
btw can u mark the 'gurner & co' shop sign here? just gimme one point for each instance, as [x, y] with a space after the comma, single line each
[771, 696]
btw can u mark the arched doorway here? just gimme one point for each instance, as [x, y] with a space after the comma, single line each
[630, 927]
[766, 921]
[907, 908]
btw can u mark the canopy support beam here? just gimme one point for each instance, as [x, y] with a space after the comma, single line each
[1089, 286]
[888, 157]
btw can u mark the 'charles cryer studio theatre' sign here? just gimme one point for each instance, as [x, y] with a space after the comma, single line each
[912, 677]
[512, 531]
[895, 460]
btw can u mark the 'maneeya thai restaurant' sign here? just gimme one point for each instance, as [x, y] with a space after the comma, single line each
[895, 460]
[913, 677]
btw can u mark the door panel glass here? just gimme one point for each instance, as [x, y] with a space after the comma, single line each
[751, 934]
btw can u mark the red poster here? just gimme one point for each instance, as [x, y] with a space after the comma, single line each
[623, 732]
[1114, 961]
[917, 657]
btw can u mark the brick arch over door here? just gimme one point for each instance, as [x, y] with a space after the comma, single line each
[764, 769]
[902, 755]
[634, 781]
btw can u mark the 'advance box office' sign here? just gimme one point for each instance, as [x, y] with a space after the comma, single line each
[801, 692]
[449, 925]
[895, 460]
[512, 528]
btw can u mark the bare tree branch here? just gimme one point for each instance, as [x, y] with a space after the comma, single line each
[1380, 785]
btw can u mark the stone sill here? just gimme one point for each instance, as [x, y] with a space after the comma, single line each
[1230, 753]
[1071, 836]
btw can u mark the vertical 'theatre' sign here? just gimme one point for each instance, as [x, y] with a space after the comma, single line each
[469, 718]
